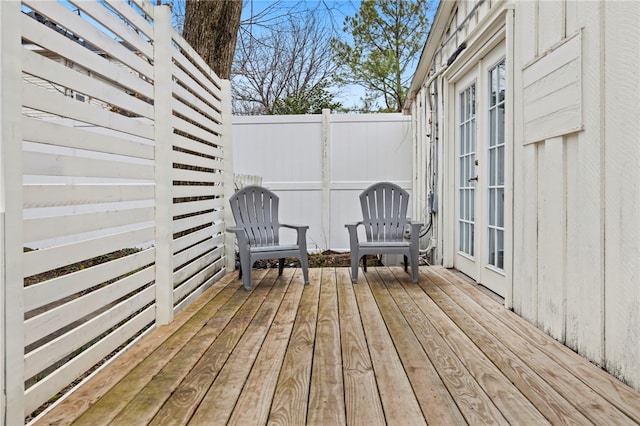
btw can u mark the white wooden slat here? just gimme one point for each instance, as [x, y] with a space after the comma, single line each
[194, 115]
[197, 280]
[90, 33]
[195, 221]
[86, 58]
[206, 82]
[196, 238]
[134, 18]
[184, 175]
[196, 160]
[11, 317]
[38, 229]
[184, 191]
[179, 105]
[197, 265]
[551, 24]
[41, 294]
[193, 296]
[193, 55]
[114, 23]
[57, 104]
[51, 258]
[552, 96]
[195, 146]
[42, 325]
[183, 95]
[181, 76]
[196, 251]
[36, 196]
[197, 206]
[616, 85]
[50, 385]
[559, 123]
[164, 196]
[38, 163]
[551, 238]
[565, 74]
[47, 354]
[566, 97]
[50, 133]
[209, 135]
[584, 330]
[55, 72]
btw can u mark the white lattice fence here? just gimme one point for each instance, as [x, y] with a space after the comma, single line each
[113, 179]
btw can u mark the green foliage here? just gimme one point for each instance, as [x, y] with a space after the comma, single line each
[387, 38]
[306, 101]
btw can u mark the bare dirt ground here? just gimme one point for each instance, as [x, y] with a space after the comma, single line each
[325, 259]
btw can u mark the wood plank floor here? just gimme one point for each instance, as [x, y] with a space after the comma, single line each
[382, 351]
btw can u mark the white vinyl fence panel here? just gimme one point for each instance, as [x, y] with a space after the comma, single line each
[319, 164]
[112, 186]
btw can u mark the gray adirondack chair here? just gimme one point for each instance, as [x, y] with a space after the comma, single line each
[255, 211]
[384, 211]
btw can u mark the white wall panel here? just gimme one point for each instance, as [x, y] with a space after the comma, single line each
[621, 201]
[287, 153]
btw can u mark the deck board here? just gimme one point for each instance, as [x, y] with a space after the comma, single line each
[362, 398]
[326, 399]
[514, 406]
[291, 398]
[255, 400]
[398, 399]
[382, 351]
[585, 401]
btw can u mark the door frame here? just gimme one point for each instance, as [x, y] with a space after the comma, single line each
[499, 31]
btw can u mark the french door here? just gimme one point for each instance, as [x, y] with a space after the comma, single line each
[480, 99]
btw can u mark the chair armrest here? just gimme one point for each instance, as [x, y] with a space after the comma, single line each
[243, 240]
[415, 231]
[302, 234]
[353, 235]
[297, 227]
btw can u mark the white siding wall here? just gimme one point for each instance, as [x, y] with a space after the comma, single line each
[576, 182]
[319, 164]
[585, 289]
[620, 186]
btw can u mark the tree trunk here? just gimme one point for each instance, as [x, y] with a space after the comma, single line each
[211, 28]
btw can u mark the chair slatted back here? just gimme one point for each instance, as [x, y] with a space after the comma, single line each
[384, 211]
[255, 209]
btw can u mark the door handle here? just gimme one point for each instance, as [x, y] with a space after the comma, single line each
[473, 178]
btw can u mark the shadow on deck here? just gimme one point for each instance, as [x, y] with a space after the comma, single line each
[383, 351]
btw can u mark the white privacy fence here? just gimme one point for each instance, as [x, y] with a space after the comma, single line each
[112, 180]
[319, 164]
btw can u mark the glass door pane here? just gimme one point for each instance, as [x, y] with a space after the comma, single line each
[466, 165]
[495, 189]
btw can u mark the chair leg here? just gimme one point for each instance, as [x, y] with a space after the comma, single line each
[304, 263]
[281, 266]
[405, 263]
[354, 267]
[245, 270]
[414, 268]
[364, 263]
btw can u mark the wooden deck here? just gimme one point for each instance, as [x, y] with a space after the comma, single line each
[383, 351]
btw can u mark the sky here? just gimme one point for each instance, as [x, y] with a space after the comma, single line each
[349, 95]
[337, 10]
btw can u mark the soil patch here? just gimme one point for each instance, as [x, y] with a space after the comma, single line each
[325, 259]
